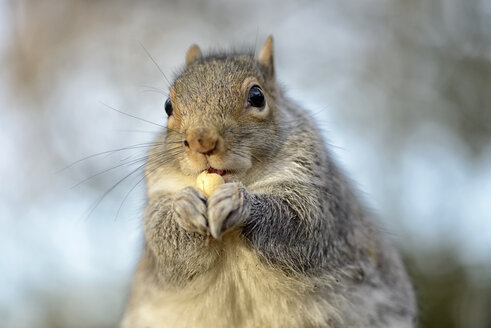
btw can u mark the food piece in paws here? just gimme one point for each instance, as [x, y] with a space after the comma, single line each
[209, 182]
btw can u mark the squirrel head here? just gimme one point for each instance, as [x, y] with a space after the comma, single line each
[222, 115]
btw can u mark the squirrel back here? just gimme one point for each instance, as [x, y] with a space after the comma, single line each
[284, 242]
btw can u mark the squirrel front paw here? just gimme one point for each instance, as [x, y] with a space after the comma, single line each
[190, 207]
[226, 208]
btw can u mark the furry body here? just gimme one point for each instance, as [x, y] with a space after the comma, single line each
[292, 245]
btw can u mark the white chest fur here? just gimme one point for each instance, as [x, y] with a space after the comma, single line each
[238, 292]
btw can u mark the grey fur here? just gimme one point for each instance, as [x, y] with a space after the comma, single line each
[292, 206]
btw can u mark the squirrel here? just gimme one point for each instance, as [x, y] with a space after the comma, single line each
[284, 242]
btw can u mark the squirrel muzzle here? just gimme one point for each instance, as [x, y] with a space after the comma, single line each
[202, 140]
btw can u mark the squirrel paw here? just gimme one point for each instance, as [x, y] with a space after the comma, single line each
[190, 207]
[226, 208]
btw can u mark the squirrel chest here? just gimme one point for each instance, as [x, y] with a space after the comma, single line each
[239, 291]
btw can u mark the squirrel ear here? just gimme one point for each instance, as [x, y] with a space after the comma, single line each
[193, 54]
[266, 55]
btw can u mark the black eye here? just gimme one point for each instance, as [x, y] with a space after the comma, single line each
[256, 97]
[168, 107]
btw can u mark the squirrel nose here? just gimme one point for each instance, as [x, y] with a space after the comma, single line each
[203, 141]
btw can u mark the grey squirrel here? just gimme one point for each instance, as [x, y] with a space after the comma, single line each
[284, 242]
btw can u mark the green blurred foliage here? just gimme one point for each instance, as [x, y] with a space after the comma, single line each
[449, 293]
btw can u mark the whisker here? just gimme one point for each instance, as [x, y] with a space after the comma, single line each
[127, 194]
[101, 198]
[143, 145]
[127, 158]
[152, 165]
[152, 169]
[133, 116]
[135, 131]
[153, 60]
[156, 89]
[168, 152]
[108, 170]
[176, 142]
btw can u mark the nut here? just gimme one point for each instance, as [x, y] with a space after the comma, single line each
[209, 182]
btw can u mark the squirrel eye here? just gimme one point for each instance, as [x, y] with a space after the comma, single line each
[256, 97]
[168, 107]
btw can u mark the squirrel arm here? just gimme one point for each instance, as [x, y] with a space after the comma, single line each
[180, 254]
[293, 239]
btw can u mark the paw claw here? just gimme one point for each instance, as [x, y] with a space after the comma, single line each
[226, 209]
[190, 208]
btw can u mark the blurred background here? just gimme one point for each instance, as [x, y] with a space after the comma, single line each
[402, 90]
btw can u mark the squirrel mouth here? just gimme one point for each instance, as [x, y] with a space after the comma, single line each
[219, 172]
